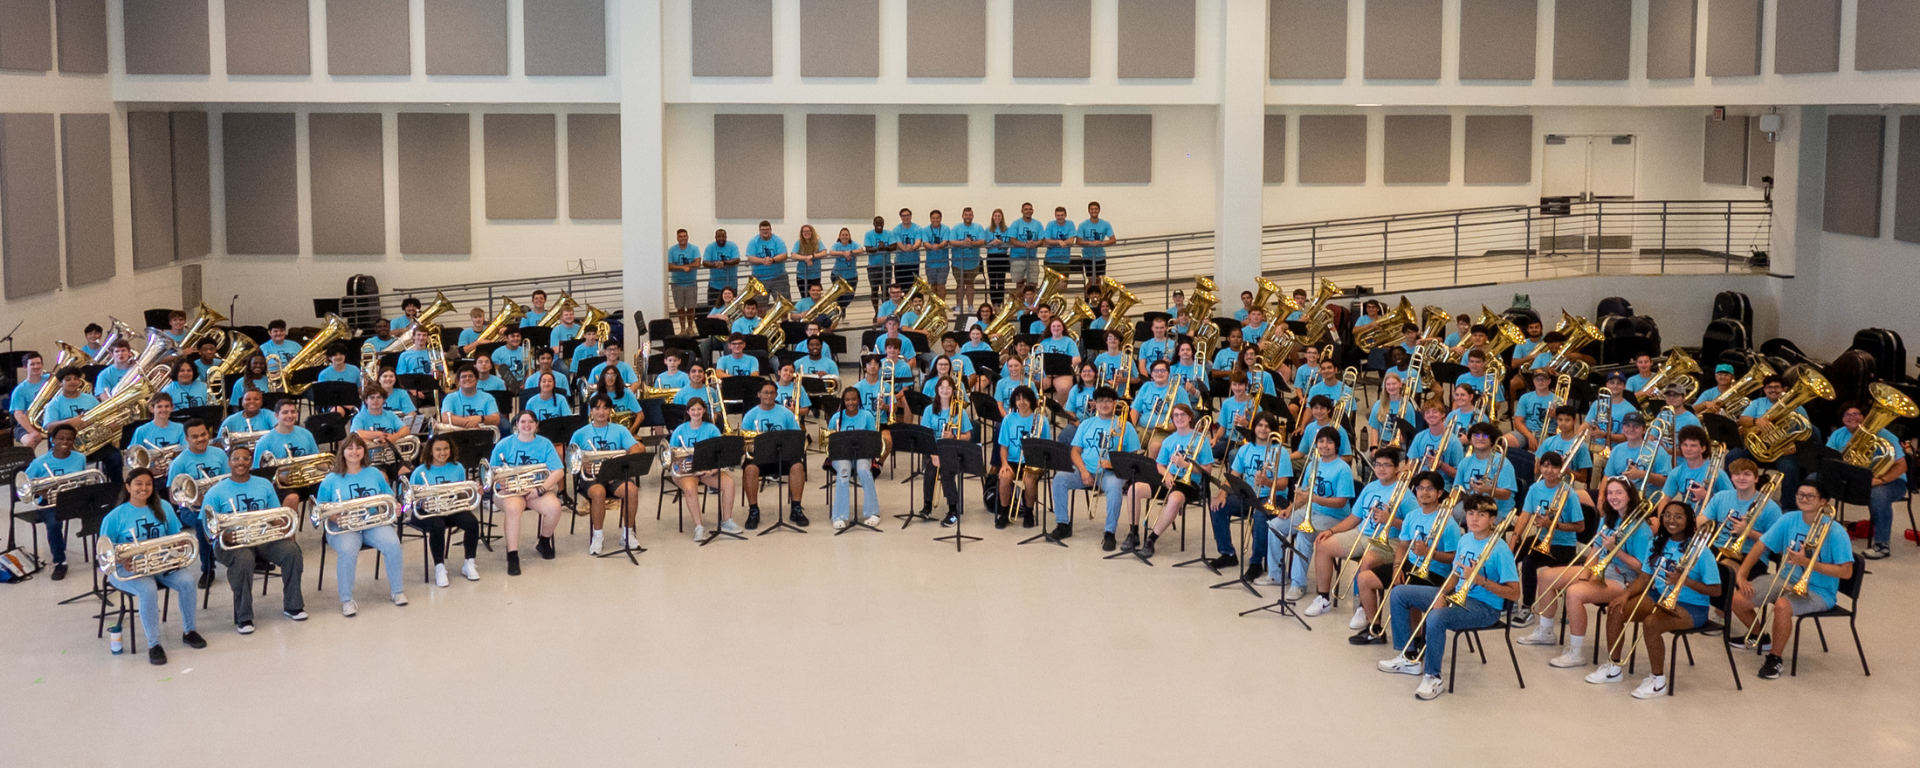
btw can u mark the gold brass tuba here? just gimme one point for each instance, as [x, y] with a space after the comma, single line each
[440, 306]
[310, 354]
[241, 529]
[156, 459]
[152, 557]
[70, 356]
[298, 471]
[158, 347]
[203, 328]
[1866, 448]
[1786, 428]
[240, 349]
[552, 316]
[1385, 332]
[1677, 366]
[104, 422]
[510, 313]
[769, 326]
[1579, 334]
[1267, 298]
[359, 514]
[827, 310]
[734, 309]
[935, 321]
[1051, 291]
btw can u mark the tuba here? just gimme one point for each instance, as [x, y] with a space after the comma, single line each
[70, 356]
[440, 499]
[516, 481]
[1579, 334]
[298, 471]
[936, 320]
[1786, 428]
[769, 326]
[440, 306]
[310, 354]
[46, 491]
[1052, 290]
[734, 309]
[596, 318]
[240, 349]
[203, 328]
[188, 491]
[552, 316]
[1740, 393]
[1505, 335]
[1267, 298]
[105, 422]
[1385, 332]
[241, 529]
[1866, 448]
[827, 310]
[920, 288]
[1677, 366]
[510, 312]
[339, 517]
[116, 330]
[158, 347]
[152, 557]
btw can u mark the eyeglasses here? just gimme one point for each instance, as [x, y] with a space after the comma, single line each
[1804, 496]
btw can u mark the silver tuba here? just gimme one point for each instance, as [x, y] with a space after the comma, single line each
[116, 330]
[240, 530]
[403, 448]
[156, 459]
[152, 557]
[45, 491]
[339, 517]
[419, 501]
[516, 481]
[587, 463]
[232, 440]
[189, 491]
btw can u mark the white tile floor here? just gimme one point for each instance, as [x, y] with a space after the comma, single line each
[884, 649]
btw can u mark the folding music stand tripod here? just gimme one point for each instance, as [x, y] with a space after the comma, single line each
[962, 458]
[719, 453]
[853, 446]
[1205, 519]
[88, 504]
[1283, 606]
[622, 470]
[1051, 457]
[1133, 468]
[782, 448]
[917, 441]
[1249, 501]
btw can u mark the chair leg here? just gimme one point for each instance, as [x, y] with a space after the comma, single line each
[1795, 670]
[1689, 648]
[1453, 659]
[1859, 648]
[1731, 666]
[1673, 660]
[1821, 631]
[1515, 658]
[320, 576]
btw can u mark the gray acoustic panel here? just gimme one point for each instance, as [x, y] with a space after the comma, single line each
[26, 35]
[1028, 149]
[1157, 38]
[1498, 39]
[1418, 149]
[86, 186]
[933, 149]
[1499, 149]
[466, 37]
[960, 47]
[262, 191]
[29, 204]
[1855, 147]
[1906, 182]
[165, 37]
[1733, 37]
[1726, 151]
[347, 174]
[522, 166]
[593, 166]
[81, 26]
[1274, 151]
[1054, 38]
[749, 166]
[840, 160]
[1117, 149]
[369, 37]
[566, 37]
[1403, 40]
[1759, 154]
[1306, 39]
[1806, 36]
[1671, 32]
[436, 180]
[1333, 149]
[1592, 39]
[842, 38]
[150, 185]
[1884, 35]
[733, 38]
[192, 186]
[268, 37]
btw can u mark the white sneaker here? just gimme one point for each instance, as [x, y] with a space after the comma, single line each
[1359, 620]
[732, 527]
[839, 525]
[348, 608]
[1400, 665]
[1607, 673]
[439, 574]
[1295, 593]
[872, 521]
[699, 533]
[1541, 636]
[1430, 688]
[468, 570]
[1264, 580]
[1319, 606]
[593, 545]
[1571, 658]
[1654, 685]
[629, 538]
[399, 598]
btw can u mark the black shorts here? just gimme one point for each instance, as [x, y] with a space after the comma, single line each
[304, 492]
[1385, 574]
[772, 470]
[581, 485]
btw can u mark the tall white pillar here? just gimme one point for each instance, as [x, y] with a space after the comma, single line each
[1242, 141]
[643, 239]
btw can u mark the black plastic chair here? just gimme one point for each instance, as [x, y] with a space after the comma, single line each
[1851, 589]
[1472, 635]
[1680, 639]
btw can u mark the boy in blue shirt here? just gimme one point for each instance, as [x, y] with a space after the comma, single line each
[1888, 486]
[60, 459]
[722, 260]
[1093, 236]
[1792, 538]
[1025, 233]
[277, 344]
[768, 416]
[968, 237]
[26, 434]
[244, 491]
[1058, 235]
[767, 254]
[1326, 487]
[1092, 441]
[683, 277]
[1367, 515]
[1493, 584]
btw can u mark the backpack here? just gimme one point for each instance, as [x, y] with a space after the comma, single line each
[17, 565]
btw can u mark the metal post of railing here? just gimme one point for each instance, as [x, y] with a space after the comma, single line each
[1166, 285]
[1386, 242]
[1599, 233]
[1456, 249]
[1729, 257]
[1663, 238]
[1526, 247]
[1313, 255]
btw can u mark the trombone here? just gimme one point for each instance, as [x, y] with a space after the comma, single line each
[1810, 547]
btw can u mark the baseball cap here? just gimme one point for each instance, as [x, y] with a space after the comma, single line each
[1634, 417]
[1723, 368]
[1616, 375]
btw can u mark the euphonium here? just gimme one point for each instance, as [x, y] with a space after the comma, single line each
[402, 448]
[1736, 397]
[1080, 313]
[1677, 367]
[156, 459]
[936, 320]
[310, 354]
[1199, 308]
[682, 461]
[203, 328]
[769, 325]
[152, 557]
[496, 330]
[241, 529]
[240, 349]
[46, 491]
[69, 356]
[116, 330]
[920, 287]
[298, 471]
[516, 481]
[232, 440]
[1505, 335]
[1786, 427]
[188, 491]
[587, 463]
[438, 500]
[1385, 332]
[359, 514]
[440, 306]
[827, 309]
[1433, 322]
[552, 316]
[105, 422]
[596, 318]
[1866, 448]
[1579, 333]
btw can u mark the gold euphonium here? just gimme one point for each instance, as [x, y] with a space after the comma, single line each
[587, 463]
[240, 349]
[1786, 427]
[404, 337]
[1267, 297]
[937, 318]
[104, 422]
[1866, 448]
[737, 308]
[1678, 365]
[1579, 333]
[1052, 285]
[310, 354]
[1736, 397]
[829, 304]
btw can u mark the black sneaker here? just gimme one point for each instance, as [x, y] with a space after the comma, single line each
[1146, 549]
[194, 640]
[1254, 571]
[60, 572]
[1131, 543]
[295, 615]
[245, 627]
[1367, 637]
[1027, 520]
[513, 563]
[1106, 542]
[753, 518]
[798, 516]
[952, 518]
[1000, 520]
[1770, 669]
[1228, 560]
[544, 546]
[1061, 531]
[206, 580]
[157, 656]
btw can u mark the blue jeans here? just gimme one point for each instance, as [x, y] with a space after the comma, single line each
[1302, 544]
[1065, 483]
[190, 520]
[147, 591]
[56, 535]
[843, 477]
[1408, 598]
[347, 546]
[1880, 508]
[1223, 531]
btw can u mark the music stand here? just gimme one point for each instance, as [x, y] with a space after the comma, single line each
[1238, 488]
[1723, 429]
[1282, 606]
[984, 360]
[917, 441]
[1205, 479]
[744, 390]
[1050, 457]
[719, 453]
[782, 448]
[536, 336]
[1849, 483]
[1133, 468]
[89, 505]
[334, 394]
[852, 446]
[622, 470]
[962, 458]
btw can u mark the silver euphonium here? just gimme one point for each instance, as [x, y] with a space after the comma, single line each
[45, 491]
[242, 529]
[152, 557]
[402, 448]
[116, 330]
[359, 514]
[156, 459]
[440, 499]
[516, 481]
[189, 491]
[232, 440]
[587, 463]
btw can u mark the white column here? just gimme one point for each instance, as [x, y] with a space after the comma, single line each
[1242, 139]
[643, 240]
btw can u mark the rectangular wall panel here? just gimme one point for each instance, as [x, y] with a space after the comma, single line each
[192, 186]
[267, 37]
[1156, 38]
[1403, 40]
[1591, 39]
[436, 177]
[1759, 154]
[1274, 151]
[165, 37]
[843, 38]
[1117, 149]
[1306, 39]
[26, 35]
[347, 174]
[1906, 181]
[1054, 38]
[566, 37]
[733, 38]
[1671, 33]
[29, 204]
[368, 37]
[86, 185]
[1726, 151]
[522, 167]
[1885, 35]
[1419, 149]
[1333, 149]
[1855, 144]
[840, 160]
[1498, 39]
[150, 184]
[959, 50]
[933, 149]
[81, 26]
[466, 37]
[749, 167]
[1499, 149]
[257, 159]
[1027, 149]
[593, 166]
[1806, 36]
[1733, 37]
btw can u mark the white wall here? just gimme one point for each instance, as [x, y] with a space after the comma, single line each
[1860, 282]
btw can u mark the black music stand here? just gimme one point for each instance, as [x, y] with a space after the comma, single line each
[1849, 483]
[962, 458]
[622, 470]
[719, 453]
[1051, 457]
[984, 360]
[1723, 429]
[1206, 516]
[1283, 606]
[1250, 502]
[536, 336]
[560, 429]
[852, 446]
[334, 394]
[782, 448]
[1056, 364]
[506, 402]
[917, 441]
[741, 389]
[211, 414]
[309, 376]
[89, 505]
[1133, 468]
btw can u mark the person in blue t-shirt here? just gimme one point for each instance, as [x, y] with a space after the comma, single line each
[1057, 236]
[527, 447]
[907, 238]
[1618, 502]
[142, 516]
[60, 459]
[286, 440]
[1889, 485]
[1373, 511]
[185, 387]
[1693, 586]
[1095, 438]
[722, 262]
[438, 466]
[766, 253]
[695, 430]
[277, 344]
[851, 418]
[1793, 537]
[1023, 420]
[1326, 493]
[1547, 518]
[1093, 236]
[967, 238]
[244, 491]
[338, 370]
[1263, 464]
[600, 434]
[769, 416]
[1184, 454]
[936, 246]
[1424, 535]
[879, 246]
[1024, 235]
[545, 399]
[351, 480]
[683, 278]
[1494, 583]
[1533, 412]
[27, 434]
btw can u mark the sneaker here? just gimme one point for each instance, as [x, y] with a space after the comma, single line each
[1571, 658]
[1146, 548]
[1296, 592]
[245, 627]
[206, 580]
[1876, 552]
[798, 516]
[753, 519]
[440, 574]
[839, 525]
[1607, 673]
[468, 570]
[349, 609]
[952, 519]
[513, 563]
[699, 533]
[593, 544]
[295, 615]
[1400, 665]
[1255, 572]
[1228, 560]
[60, 572]
[1107, 542]
[1430, 688]
[1740, 641]
[1000, 521]
[1540, 636]
[729, 526]
[872, 521]
[1027, 519]
[399, 598]
[193, 640]
[1359, 620]
[1520, 617]
[544, 546]
[1061, 531]
[629, 538]
[1130, 543]
[1319, 606]
[156, 656]
[1263, 580]
[1653, 685]
[1366, 637]
[1770, 669]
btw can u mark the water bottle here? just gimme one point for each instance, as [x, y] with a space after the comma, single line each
[114, 640]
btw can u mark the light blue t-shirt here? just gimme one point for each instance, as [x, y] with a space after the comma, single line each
[611, 437]
[127, 523]
[722, 277]
[1377, 494]
[512, 451]
[1627, 456]
[348, 374]
[228, 496]
[682, 256]
[159, 436]
[1251, 459]
[1333, 479]
[1573, 451]
[1666, 566]
[192, 395]
[1499, 569]
[1540, 501]
[275, 445]
[1093, 432]
[1015, 428]
[1059, 230]
[1094, 231]
[1728, 504]
[359, 485]
[1028, 231]
[1682, 476]
[1790, 532]
[1471, 468]
[764, 248]
[758, 419]
[479, 403]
